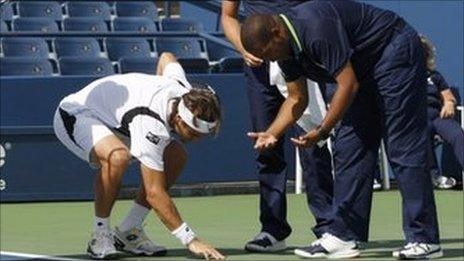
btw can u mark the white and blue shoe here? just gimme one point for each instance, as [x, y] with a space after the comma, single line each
[136, 242]
[101, 246]
[330, 247]
[418, 251]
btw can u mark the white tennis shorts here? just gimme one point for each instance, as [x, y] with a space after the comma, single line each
[80, 132]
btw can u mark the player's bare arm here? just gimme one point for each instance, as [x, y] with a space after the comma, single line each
[165, 59]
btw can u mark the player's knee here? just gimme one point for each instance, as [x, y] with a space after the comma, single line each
[119, 157]
[153, 194]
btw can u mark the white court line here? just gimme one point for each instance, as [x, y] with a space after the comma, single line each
[32, 256]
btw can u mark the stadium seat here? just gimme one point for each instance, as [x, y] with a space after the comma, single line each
[3, 26]
[127, 47]
[85, 66]
[231, 65]
[25, 66]
[139, 9]
[77, 46]
[48, 9]
[25, 46]
[181, 47]
[6, 12]
[86, 24]
[40, 24]
[179, 24]
[88, 9]
[229, 60]
[140, 24]
[138, 64]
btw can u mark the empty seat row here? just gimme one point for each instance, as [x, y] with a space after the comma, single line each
[114, 48]
[96, 24]
[56, 11]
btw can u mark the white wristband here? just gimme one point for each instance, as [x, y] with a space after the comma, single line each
[184, 233]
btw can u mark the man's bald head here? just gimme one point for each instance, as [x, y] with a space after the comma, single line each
[264, 36]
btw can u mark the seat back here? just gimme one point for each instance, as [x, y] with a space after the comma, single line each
[139, 24]
[25, 66]
[85, 66]
[36, 24]
[136, 8]
[181, 47]
[127, 47]
[6, 12]
[77, 46]
[179, 24]
[25, 47]
[49, 9]
[86, 24]
[88, 9]
[3, 26]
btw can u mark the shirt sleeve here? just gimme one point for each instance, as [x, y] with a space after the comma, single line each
[439, 81]
[291, 69]
[176, 72]
[330, 47]
[149, 138]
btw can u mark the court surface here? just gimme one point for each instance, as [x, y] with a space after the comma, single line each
[61, 230]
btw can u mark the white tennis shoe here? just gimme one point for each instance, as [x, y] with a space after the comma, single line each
[136, 242]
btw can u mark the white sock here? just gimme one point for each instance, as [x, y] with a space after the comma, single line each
[134, 218]
[101, 224]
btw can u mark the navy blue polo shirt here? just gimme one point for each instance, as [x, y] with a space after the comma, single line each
[269, 6]
[435, 85]
[325, 35]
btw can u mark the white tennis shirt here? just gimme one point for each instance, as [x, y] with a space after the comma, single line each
[137, 105]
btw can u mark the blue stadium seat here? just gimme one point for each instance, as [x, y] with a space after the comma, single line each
[182, 47]
[180, 24]
[88, 9]
[86, 24]
[140, 24]
[25, 66]
[25, 46]
[138, 64]
[77, 46]
[48, 9]
[85, 66]
[40, 24]
[127, 47]
[3, 26]
[6, 12]
[230, 61]
[231, 65]
[135, 8]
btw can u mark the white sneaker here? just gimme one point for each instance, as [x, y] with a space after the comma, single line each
[101, 246]
[443, 182]
[377, 185]
[331, 247]
[419, 251]
[265, 242]
[136, 242]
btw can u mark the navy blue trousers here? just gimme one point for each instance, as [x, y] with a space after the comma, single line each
[391, 105]
[265, 101]
[450, 131]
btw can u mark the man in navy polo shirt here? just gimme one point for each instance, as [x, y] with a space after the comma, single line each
[378, 63]
[265, 101]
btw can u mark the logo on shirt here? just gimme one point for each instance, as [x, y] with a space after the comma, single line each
[153, 138]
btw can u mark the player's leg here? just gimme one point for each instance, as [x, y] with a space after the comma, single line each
[401, 76]
[265, 101]
[316, 163]
[130, 236]
[355, 153]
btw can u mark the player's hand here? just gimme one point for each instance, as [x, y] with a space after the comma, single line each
[251, 60]
[263, 140]
[201, 249]
[307, 140]
[447, 111]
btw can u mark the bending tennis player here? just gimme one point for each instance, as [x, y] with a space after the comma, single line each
[135, 115]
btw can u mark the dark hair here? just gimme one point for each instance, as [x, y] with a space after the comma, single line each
[205, 105]
[256, 33]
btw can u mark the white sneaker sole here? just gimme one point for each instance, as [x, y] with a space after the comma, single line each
[349, 253]
[433, 255]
